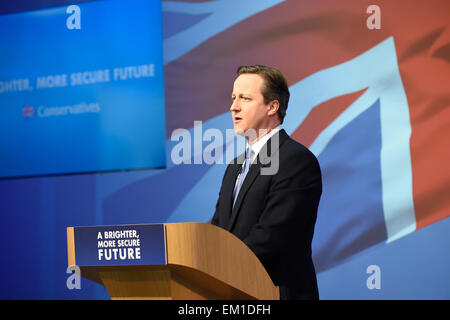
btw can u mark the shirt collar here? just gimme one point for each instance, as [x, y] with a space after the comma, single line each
[257, 146]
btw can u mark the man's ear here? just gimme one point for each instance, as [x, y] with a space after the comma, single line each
[273, 107]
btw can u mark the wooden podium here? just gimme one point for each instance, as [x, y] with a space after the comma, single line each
[202, 261]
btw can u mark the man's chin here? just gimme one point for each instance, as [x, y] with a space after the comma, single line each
[239, 131]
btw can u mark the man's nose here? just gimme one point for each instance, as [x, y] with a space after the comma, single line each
[235, 106]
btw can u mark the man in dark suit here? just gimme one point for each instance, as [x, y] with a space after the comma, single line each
[270, 194]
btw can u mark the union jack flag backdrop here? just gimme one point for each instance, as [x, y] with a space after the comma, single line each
[372, 104]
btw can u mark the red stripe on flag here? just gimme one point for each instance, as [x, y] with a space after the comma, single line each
[321, 117]
[426, 77]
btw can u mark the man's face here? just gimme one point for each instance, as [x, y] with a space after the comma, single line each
[248, 109]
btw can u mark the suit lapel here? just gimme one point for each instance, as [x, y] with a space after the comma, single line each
[249, 178]
[229, 184]
[263, 159]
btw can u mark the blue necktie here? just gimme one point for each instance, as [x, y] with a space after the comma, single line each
[244, 171]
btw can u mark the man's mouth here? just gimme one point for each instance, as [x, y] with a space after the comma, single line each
[237, 119]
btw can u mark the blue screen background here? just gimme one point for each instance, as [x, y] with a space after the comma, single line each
[125, 127]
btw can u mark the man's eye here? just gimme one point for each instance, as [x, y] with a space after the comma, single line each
[246, 98]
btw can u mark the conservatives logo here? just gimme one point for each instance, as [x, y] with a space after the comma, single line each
[44, 112]
[28, 111]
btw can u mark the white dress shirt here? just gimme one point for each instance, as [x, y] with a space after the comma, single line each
[257, 146]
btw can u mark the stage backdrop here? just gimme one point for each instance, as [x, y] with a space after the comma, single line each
[370, 97]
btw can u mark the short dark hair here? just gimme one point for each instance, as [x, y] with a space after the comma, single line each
[275, 86]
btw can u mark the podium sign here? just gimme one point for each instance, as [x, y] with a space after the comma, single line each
[189, 260]
[142, 244]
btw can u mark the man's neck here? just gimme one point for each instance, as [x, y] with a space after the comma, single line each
[261, 133]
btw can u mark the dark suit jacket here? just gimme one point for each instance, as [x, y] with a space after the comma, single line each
[275, 214]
